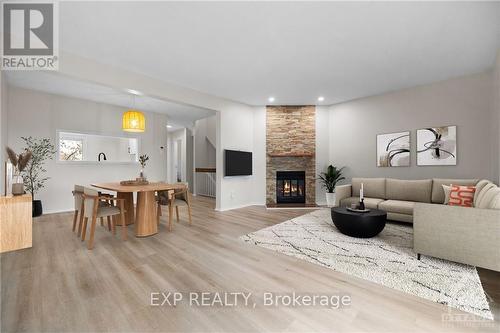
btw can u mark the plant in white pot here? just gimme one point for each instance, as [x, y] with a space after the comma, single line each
[19, 162]
[34, 174]
[330, 178]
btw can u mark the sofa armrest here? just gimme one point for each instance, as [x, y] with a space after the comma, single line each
[342, 192]
[462, 234]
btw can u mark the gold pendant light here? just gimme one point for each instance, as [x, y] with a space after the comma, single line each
[133, 120]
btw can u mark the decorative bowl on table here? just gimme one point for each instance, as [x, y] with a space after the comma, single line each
[135, 182]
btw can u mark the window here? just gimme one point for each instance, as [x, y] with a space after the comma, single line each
[70, 149]
[96, 148]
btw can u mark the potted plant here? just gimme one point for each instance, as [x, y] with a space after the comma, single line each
[143, 159]
[330, 178]
[34, 180]
[19, 163]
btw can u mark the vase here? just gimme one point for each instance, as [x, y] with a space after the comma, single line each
[330, 199]
[37, 208]
[17, 185]
[142, 175]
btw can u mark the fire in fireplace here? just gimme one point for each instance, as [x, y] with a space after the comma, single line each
[290, 187]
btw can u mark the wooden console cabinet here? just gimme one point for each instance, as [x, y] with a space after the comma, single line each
[15, 222]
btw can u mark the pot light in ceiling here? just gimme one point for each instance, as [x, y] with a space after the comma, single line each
[169, 126]
[270, 99]
[134, 92]
[321, 99]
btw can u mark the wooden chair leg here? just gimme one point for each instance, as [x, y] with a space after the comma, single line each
[189, 213]
[177, 213]
[102, 221]
[80, 224]
[170, 213]
[124, 224]
[90, 243]
[113, 224]
[158, 213]
[84, 228]
[109, 223]
[75, 217]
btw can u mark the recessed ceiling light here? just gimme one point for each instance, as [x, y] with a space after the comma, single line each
[169, 126]
[321, 99]
[133, 92]
[271, 99]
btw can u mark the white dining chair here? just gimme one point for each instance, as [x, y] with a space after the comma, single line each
[92, 209]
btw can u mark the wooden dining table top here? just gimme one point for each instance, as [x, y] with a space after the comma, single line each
[158, 186]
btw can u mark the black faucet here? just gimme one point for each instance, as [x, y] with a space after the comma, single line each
[99, 157]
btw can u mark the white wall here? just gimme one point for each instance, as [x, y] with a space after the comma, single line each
[189, 158]
[237, 133]
[465, 102]
[496, 116]
[173, 137]
[3, 129]
[204, 150]
[41, 115]
[259, 155]
[229, 114]
[322, 149]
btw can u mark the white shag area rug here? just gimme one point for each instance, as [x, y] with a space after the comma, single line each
[387, 259]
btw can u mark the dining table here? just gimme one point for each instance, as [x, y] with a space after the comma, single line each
[144, 214]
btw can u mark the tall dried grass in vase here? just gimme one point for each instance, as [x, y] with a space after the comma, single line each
[19, 162]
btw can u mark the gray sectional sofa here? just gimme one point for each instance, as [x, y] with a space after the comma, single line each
[469, 235]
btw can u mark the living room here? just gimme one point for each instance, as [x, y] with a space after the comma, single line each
[317, 150]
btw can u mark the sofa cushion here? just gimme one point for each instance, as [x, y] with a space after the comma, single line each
[369, 202]
[437, 189]
[479, 186]
[489, 196]
[480, 196]
[397, 206]
[409, 190]
[372, 187]
[400, 217]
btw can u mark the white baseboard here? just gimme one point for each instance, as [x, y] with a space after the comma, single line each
[239, 206]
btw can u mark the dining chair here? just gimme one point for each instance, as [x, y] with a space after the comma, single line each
[92, 209]
[174, 199]
[78, 199]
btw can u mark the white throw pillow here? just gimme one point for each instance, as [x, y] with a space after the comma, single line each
[447, 190]
[487, 198]
[479, 187]
[481, 195]
[495, 202]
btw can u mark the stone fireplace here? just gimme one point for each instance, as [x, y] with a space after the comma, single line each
[291, 151]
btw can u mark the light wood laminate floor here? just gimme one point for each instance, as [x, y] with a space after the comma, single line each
[60, 286]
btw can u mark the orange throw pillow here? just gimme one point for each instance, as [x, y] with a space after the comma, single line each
[462, 195]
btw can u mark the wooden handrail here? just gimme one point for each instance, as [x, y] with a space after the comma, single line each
[211, 170]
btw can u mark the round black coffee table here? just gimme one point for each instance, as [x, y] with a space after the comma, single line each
[361, 225]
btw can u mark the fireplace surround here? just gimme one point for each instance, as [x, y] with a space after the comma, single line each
[290, 146]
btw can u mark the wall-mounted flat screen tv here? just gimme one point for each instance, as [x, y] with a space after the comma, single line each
[237, 163]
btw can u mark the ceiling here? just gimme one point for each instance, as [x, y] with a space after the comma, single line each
[293, 51]
[53, 83]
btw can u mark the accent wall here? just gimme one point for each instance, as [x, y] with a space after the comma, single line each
[465, 102]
